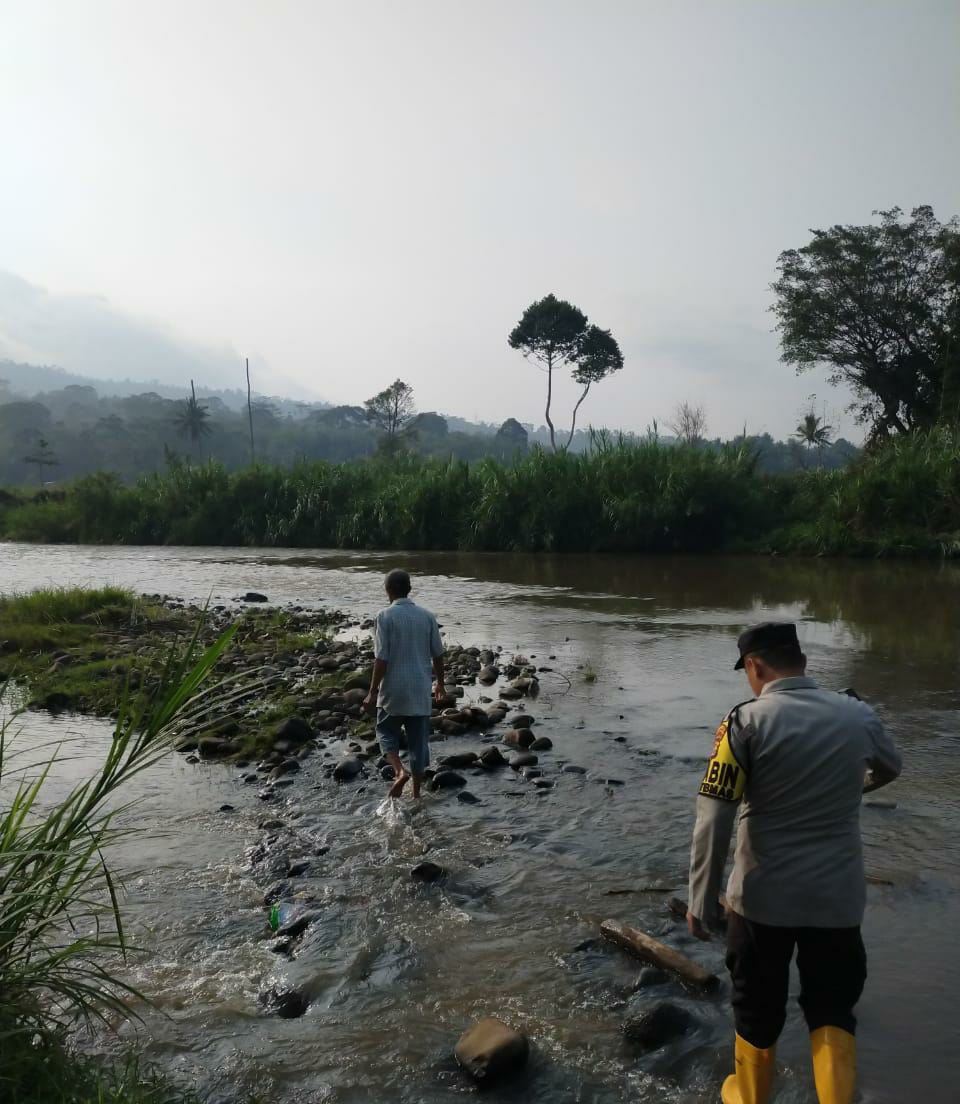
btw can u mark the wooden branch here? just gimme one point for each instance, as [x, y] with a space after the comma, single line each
[659, 954]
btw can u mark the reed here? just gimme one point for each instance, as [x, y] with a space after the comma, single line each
[621, 496]
[62, 940]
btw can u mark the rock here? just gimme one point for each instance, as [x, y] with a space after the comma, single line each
[651, 975]
[541, 743]
[298, 867]
[56, 701]
[531, 772]
[347, 769]
[298, 925]
[213, 747]
[288, 1004]
[488, 674]
[572, 768]
[658, 1026]
[491, 758]
[355, 696]
[491, 1050]
[226, 808]
[540, 783]
[188, 743]
[275, 893]
[510, 693]
[288, 766]
[271, 824]
[294, 729]
[254, 596]
[522, 720]
[468, 798]
[460, 760]
[521, 738]
[523, 759]
[427, 872]
[447, 780]
[281, 946]
[452, 728]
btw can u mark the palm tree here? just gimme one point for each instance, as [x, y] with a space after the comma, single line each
[812, 432]
[191, 421]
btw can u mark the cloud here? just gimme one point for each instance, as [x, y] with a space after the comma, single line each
[86, 335]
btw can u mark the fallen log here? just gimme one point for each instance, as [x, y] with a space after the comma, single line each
[659, 954]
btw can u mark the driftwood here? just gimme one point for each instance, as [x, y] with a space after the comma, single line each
[659, 954]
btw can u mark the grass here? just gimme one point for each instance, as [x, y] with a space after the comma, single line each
[61, 931]
[901, 499]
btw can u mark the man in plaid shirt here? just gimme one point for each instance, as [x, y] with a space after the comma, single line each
[406, 646]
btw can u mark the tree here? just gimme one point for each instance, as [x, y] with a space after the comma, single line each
[191, 419]
[879, 305]
[555, 333]
[689, 423]
[392, 409]
[512, 436]
[43, 456]
[599, 356]
[812, 432]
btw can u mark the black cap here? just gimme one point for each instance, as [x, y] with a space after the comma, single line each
[765, 637]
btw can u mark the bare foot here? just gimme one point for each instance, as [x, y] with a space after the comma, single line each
[417, 782]
[397, 788]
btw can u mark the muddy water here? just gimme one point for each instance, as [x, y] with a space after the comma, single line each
[396, 970]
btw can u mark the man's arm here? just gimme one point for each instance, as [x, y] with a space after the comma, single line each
[708, 856]
[379, 670]
[886, 762]
[436, 651]
[717, 805]
[440, 690]
[381, 652]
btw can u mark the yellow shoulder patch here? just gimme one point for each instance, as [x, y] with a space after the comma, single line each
[725, 778]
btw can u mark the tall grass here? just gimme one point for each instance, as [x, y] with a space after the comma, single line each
[620, 497]
[61, 928]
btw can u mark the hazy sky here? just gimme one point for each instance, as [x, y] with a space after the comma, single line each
[350, 192]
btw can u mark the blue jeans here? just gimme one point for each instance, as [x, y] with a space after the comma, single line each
[417, 730]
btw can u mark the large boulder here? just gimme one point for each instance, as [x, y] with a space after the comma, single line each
[490, 1050]
[213, 747]
[520, 738]
[658, 1026]
[347, 769]
[288, 1004]
[427, 872]
[523, 759]
[491, 758]
[541, 743]
[294, 729]
[447, 780]
[459, 760]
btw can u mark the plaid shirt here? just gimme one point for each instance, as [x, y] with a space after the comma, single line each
[407, 638]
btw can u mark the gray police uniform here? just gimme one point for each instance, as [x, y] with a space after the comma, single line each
[793, 763]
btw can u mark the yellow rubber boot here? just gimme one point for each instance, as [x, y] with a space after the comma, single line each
[834, 1064]
[751, 1083]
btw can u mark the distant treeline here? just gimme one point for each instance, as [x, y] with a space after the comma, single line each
[55, 436]
[903, 498]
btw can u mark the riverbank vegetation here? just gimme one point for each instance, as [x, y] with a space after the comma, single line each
[90, 650]
[900, 498]
[62, 938]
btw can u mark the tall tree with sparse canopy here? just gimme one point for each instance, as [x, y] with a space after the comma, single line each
[599, 356]
[392, 409]
[879, 305]
[192, 419]
[555, 333]
[42, 456]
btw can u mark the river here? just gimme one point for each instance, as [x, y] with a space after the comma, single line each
[397, 970]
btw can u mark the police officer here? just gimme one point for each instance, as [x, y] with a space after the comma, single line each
[794, 761]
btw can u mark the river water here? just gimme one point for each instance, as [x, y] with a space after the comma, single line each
[397, 970]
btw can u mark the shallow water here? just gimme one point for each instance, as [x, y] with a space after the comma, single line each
[396, 970]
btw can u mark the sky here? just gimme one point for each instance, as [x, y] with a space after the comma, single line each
[347, 193]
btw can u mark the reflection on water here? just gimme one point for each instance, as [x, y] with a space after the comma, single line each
[396, 969]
